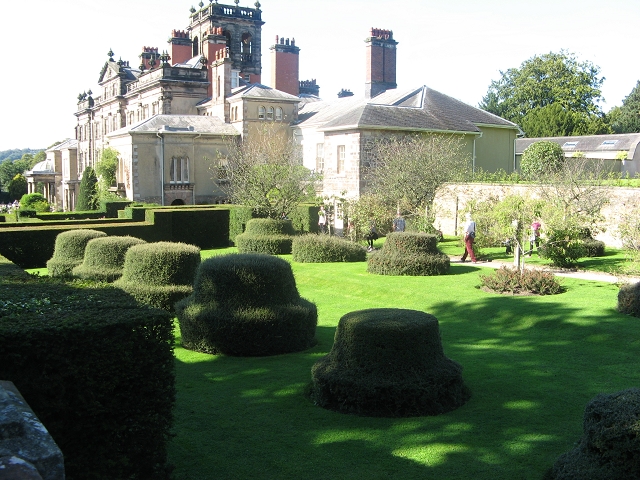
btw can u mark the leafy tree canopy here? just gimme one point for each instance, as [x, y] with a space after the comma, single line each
[17, 187]
[544, 80]
[106, 167]
[626, 119]
[266, 174]
[554, 120]
[541, 158]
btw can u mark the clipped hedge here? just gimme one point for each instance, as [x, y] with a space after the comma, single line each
[69, 251]
[104, 258]
[409, 253]
[610, 445]
[325, 248]
[159, 274]
[266, 235]
[593, 248]
[629, 299]
[98, 371]
[246, 305]
[388, 362]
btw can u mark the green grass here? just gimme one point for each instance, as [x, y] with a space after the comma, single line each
[532, 364]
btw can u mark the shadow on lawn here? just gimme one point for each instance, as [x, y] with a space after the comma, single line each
[531, 366]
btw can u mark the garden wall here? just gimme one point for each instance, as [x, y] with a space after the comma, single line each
[451, 201]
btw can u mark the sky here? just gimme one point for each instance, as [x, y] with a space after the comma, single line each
[55, 50]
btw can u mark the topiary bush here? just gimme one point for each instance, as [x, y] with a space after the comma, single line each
[34, 201]
[610, 445]
[69, 250]
[104, 258]
[159, 274]
[515, 281]
[388, 362]
[97, 368]
[629, 299]
[246, 305]
[409, 253]
[593, 247]
[266, 235]
[325, 248]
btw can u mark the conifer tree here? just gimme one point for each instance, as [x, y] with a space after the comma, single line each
[87, 197]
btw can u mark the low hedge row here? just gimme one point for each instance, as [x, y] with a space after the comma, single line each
[97, 369]
[325, 248]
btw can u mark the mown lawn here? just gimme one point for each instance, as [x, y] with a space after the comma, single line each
[532, 364]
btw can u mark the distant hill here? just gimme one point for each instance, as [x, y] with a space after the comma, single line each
[16, 154]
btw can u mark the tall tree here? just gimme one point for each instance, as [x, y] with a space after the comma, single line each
[106, 168]
[544, 80]
[627, 117]
[17, 187]
[266, 173]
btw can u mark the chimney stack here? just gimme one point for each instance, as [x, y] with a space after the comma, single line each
[285, 66]
[380, 62]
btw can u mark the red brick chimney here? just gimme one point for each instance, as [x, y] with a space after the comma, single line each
[149, 58]
[181, 47]
[285, 66]
[380, 62]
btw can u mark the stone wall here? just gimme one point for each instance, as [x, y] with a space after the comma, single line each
[451, 201]
[26, 448]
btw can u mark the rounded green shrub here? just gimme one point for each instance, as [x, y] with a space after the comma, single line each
[563, 248]
[68, 251]
[610, 445]
[541, 158]
[159, 274]
[409, 253]
[325, 248]
[593, 247]
[388, 362]
[266, 235]
[34, 201]
[104, 258]
[629, 299]
[246, 305]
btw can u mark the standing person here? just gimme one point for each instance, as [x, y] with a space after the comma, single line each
[469, 238]
[322, 220]
[398, 223]
[371, 236]
[534, 239]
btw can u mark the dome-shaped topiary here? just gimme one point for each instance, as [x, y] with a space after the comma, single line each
[159, 274]
[610, 445]
[542, 158]
[104, 258]
[629, 299]
[325, 248]
[246, 305]
[409, 253]
[68, 251]
[388, 362]
[266, 235]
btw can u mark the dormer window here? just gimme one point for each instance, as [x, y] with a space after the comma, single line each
[570, 145]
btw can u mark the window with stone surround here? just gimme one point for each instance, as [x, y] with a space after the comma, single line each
[278, 114]
[341, 156]
[179, 170]
[270, 113]
[261, 112]
[319, 157]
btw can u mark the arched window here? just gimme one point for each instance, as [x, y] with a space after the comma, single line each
[278, 114]
[261, 112]
[246, 47]
[270, 113]
[196, 50]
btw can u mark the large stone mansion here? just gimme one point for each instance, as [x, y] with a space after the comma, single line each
[179, 107]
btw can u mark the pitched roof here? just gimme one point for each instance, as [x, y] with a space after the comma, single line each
[599, 145]
[69, 143]
[259, 91]
[179, 124]
[420, 109]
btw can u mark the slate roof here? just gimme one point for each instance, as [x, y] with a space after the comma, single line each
[179, 124]
[259, 91]
[419, 109]
[588, 143]
[69, 143]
